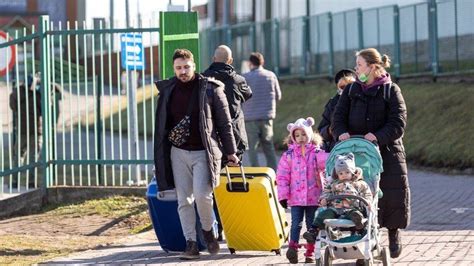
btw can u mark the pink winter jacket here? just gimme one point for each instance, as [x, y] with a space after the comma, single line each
[299, 179]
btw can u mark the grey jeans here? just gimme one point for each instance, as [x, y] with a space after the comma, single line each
[260, 132]
[192, 179]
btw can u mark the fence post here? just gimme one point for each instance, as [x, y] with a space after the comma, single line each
[45, 103]
[276, 46]
[331, 47]
[304, 52]
[396, 38]
[360, 28]
[99, 135]
[228, 36]
[456, 33]
[433, 33]
[252, 30]
[211, 43]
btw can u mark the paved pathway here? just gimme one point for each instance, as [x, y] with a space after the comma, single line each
[441, 232]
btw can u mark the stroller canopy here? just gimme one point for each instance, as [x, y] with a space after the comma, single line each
[367, 157]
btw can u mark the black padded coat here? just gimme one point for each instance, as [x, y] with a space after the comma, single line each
[324, 126]
[214, 125]
[367, 111]
[237, 92]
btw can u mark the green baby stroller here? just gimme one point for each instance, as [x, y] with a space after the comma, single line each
[340, 237]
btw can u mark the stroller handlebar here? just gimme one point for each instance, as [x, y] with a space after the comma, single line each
[362, 137]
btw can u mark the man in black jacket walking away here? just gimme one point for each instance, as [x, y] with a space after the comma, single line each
[236, 90]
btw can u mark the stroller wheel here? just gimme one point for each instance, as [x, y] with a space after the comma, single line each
[327, 257]
[319, 262]
[362, 262]
[385, 256]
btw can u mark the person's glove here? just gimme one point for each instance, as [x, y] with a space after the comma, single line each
[284, 203]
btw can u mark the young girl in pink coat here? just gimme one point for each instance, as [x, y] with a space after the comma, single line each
[299, 180]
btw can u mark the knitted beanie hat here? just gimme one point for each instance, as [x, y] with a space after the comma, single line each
[345, 162]
[304, 124]
[344, 73]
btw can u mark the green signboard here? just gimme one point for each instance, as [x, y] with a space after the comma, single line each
[177, 30]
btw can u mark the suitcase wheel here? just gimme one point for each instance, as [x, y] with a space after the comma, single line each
[232, 250]
[277, 251]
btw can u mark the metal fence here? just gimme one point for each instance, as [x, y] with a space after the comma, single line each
[98, 130]
[433, 38]
[96, 125]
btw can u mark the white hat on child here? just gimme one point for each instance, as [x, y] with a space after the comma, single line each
[304, 124]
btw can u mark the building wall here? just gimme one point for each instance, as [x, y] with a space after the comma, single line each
[13, 5]
[58, 10]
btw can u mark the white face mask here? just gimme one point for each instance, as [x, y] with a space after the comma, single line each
[339, 91]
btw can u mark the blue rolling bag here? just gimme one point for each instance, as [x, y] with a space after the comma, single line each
[163, 210]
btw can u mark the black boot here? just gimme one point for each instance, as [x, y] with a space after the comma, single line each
[311, 235]
[394, 243]
[191, 252]
[292, 252]
[211, 242]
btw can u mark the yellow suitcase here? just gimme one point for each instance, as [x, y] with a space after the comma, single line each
[251, 215]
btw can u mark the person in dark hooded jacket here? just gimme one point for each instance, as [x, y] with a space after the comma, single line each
[236, 90]
[342, 79]
[25, 102]
[374, 107]
[28, 124]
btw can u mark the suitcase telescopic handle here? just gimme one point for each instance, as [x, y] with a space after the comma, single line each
[242, 172]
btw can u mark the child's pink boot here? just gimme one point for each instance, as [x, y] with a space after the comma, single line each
[309, 253]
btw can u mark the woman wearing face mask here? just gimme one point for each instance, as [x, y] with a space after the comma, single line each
[342, 78]
[374, 108]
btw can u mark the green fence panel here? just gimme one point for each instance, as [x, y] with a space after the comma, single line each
[206, 54]
[414, 45]
[88, 135]
[346, 38]
[83, 103]
[177, 30]
[464, 35]
[454, 35]
[285, 45]
[433, 36]
[430, 38]
[20, 141]
[45, 99]
[242, 44]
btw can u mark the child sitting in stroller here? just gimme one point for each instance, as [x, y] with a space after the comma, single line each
[349, 181]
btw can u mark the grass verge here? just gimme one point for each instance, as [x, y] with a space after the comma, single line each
[59, 230]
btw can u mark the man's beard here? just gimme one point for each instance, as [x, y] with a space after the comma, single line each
[185, 77]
